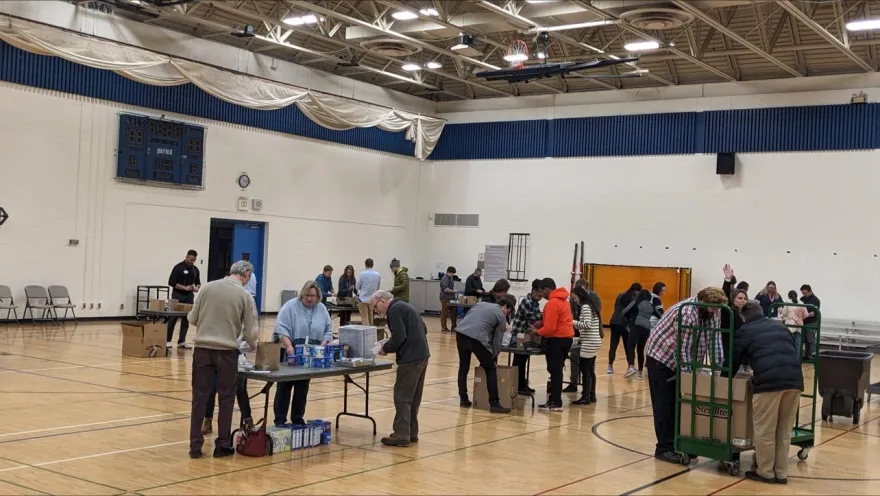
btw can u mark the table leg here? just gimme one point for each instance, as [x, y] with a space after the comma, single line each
[266, 389]
[366, 390]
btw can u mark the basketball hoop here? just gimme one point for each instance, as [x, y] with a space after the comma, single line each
[517, 53]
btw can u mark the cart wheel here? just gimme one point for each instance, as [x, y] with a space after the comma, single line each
[684, 458]
[803, 454]
[733, 468]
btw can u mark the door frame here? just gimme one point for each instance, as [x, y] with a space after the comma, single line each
[261, 275]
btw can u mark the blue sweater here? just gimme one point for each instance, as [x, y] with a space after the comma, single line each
[298, 322]
[326, 285]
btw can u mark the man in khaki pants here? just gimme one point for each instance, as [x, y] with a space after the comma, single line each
[368, 282]
[777, 384]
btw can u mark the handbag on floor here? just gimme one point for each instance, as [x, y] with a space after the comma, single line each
[252, 440]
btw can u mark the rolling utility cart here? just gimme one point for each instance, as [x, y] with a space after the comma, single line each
[700, 411]
[803, 435]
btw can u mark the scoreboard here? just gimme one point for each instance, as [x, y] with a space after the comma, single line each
[160, 151]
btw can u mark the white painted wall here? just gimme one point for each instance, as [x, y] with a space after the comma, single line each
[629, 210]
[323, 203]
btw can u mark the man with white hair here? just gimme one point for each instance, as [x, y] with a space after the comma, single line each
[409, 340]
[222, 313]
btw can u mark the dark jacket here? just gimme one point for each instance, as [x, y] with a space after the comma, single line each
[624, 318]
[346, 286]
[409, 335]
[471, 285]
[811, 300]
[767, 302]
[769, 347]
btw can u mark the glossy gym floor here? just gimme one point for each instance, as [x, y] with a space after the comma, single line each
[80, 419]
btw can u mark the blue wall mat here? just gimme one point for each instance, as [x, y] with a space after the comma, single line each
[53, 73]
[622, 135]
[492, 140]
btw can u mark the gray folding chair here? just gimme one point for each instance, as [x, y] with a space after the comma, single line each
[59, 297]
[36, 298]
[9, 306]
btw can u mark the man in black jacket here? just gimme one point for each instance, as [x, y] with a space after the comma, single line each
[473, 285]
[776, 385]
[409, 341]
[811, 322]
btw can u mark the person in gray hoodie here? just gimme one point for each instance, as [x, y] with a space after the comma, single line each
[639, 331]
[481, 332]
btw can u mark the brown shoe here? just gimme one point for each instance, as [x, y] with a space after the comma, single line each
[206, 426]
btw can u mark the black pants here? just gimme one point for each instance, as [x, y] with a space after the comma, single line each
[467, 345]
[635, 344]
[521, 362]
[588, 377]
[661, 380]
[618, 332]
[241, 396]
[556, 353]
[810, 340]
[207, 366]
[184, 322]
[297, 406]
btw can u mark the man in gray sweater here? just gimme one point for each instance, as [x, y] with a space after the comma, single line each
[409, 340]
[223, 312]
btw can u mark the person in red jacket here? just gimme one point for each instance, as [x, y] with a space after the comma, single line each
[557, 331]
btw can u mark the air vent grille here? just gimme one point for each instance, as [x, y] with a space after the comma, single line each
[456, 220]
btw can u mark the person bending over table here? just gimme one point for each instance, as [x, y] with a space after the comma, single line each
[185, 282]
[527, 315]
[300, 319]
[409, 340]
[223, 312]
[481, 333]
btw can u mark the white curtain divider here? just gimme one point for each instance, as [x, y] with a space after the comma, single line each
[147, 67]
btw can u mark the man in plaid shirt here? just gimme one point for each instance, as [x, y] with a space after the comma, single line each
[662, 361]
[527, 314]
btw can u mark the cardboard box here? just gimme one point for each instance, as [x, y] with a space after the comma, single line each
[360, 340]
[508, 386]
[741, 431]
[159, 305]
[143, 340]
[182, 307]
[282, 438]
[527, 337]
[468, 300]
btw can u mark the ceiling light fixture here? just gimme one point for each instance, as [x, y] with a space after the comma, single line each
[516, 57]
[580, 25]
[434, 65]
[411, 67]
[404, 15]
[300, 20]
[863, 25]
[638, 46]
[429, 12]
[464, 41]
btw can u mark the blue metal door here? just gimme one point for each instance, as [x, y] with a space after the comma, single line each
[247, 244]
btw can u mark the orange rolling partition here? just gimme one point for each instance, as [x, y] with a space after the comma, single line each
[611, 280]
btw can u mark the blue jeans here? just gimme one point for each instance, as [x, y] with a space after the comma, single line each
[798, 342]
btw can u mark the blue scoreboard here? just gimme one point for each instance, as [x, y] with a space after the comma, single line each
[159, 150]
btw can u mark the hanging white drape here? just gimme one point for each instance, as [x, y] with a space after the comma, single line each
[155, 69]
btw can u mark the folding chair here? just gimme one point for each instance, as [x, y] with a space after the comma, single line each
[57, 295]
[36, 298]
[6, 294]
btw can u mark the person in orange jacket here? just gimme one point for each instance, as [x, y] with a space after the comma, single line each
[557, 330]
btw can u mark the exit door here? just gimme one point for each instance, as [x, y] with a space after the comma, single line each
[247, 244]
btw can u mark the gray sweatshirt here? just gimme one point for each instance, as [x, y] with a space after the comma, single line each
[223, 312]
[646, 310]
[486, 323]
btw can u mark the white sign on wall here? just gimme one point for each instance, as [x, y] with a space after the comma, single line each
[243, 203]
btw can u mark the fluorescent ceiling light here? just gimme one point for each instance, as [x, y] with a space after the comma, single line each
[411, 67]
[404, 16]
[429, 12]
[542, 55]
[434, 65]
[460, 46]
[580, 25]
[638, 46]
[541, 1]
[464, 41]
[300, 20]
[516, 57]
[863, 25]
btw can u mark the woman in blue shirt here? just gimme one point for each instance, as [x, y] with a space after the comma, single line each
[303, 320]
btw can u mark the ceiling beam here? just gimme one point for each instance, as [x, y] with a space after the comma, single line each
[687, 7]
[646, 36]
[827, 36]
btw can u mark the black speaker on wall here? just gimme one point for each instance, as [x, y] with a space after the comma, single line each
[726, 164]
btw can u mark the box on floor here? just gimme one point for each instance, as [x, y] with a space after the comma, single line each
[741, 429]
[508, 386]
[143, 340]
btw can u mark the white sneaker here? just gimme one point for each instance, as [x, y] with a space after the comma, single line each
[638, 376]
[610, 371]
[169, 345]
[629, 372]
[185, 346]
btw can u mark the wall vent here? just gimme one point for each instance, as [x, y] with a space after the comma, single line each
[456, 220]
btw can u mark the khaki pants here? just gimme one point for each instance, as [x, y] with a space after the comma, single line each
[366, 312]
[774, 415]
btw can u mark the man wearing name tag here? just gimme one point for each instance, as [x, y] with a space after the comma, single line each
[185, 282]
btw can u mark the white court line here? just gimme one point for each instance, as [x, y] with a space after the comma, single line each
[117, 452]
[74, 366]
[92, 424]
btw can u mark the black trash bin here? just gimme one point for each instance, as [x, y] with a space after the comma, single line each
[843, 380]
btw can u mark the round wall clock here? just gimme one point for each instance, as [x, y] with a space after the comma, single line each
[244, 181]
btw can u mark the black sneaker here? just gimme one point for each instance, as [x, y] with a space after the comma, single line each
[781, 481]
[669, 457]
[465, 403]
[414, 440]
[223, 451]
[393, 441]
[444, 330]
[527, 392]
[593, 398]
[571, 388]
[550, 407]
[497, 408]
[582, 401]
[755, 477]
[195, 454]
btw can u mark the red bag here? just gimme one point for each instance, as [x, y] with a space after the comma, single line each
[252, 440]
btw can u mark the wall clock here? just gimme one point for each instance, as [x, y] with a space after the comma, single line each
[244, 181]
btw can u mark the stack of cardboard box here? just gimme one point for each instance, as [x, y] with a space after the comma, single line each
[741, 430]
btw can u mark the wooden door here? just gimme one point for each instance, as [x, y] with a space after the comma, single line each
[611, 280]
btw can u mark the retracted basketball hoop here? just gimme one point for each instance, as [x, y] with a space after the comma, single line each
[517, 54]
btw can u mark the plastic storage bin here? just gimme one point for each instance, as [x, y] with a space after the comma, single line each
[843, 380]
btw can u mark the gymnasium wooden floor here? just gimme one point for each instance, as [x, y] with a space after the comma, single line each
[80, 419]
